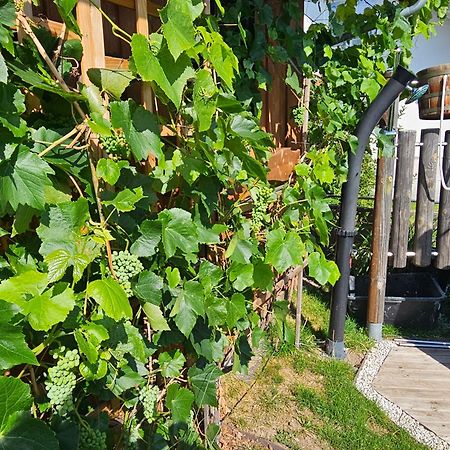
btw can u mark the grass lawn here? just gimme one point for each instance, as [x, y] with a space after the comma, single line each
[304, 400]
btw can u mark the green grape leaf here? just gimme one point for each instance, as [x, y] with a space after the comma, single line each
[188, 306]
[133, 343]
[94, 99]
[59, 261]
[46, 310]
[146, 244]
[23, 432]
[173, 277]
[236, 309]
[108, 293]
[370, 87]
[179, 401]
[65, 8]
[13, 348]
[171, 363]
[23, 179]
[321, 269]
[263, 276]
[140, 128]
[203, 383]
[30, 282]
[178, 232]
[7, 311]
[284, 249]
[240, 250]
[205, 99]
[109, 170]
[155, 317]
[241, 275]
[126, 200]
[86, 347]
[12, 105]
[178, 27]
[3, 70]
[15, 396]
[63, 228]
[223, 59]
[112, 81]
[216, 311]
[149, 287]
[169, 75]
[245, 127]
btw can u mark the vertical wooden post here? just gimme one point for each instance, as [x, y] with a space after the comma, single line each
[402, 197]
[298, 308]
[443, 232]
[143, 28]
[380, 245]
[90, 21]
[425, 197]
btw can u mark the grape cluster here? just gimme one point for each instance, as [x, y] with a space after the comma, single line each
[92, 439]
[116, 146]
[126, 266]
[148, 398]
[299, 115]
[260, 204]
[61, 380]
[131, 436]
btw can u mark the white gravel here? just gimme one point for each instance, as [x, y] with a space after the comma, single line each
[364, 378]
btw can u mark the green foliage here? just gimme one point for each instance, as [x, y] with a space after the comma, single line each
[147, 274]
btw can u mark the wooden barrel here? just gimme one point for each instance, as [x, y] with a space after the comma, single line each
[430, 104]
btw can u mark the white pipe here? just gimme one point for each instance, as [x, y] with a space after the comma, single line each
[441, 131]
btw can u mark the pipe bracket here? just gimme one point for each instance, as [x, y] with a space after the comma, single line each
[346, 233]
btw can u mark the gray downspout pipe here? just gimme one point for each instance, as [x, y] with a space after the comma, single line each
[349, 197]
[410, 10]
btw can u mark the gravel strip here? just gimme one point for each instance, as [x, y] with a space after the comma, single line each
[364, 378]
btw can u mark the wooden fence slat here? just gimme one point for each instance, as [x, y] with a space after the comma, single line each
[90, 22]
[426, 187]
[443, 230]
[402, 197]
[152, 8]
[380, 242]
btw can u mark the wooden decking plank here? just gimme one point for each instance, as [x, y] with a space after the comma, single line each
[418, 380]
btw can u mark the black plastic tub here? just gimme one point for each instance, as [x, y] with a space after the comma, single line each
[412, 300]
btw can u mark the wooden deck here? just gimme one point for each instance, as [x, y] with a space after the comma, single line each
[418, 380]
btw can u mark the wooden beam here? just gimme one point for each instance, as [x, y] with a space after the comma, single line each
[90, 22]
[152, 8]
[112, 62]
[443, 231]
[423, 239]
[143, 28]
[402, 197]
[53, 26]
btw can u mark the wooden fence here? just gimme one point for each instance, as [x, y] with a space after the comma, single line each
[431, 236]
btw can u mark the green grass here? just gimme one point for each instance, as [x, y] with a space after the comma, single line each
[316, 312]
[341, 415]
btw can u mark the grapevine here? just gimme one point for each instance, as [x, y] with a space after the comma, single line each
[148, 398]
[299, 115]
[61, 380]
[116, 146]
[92, 439]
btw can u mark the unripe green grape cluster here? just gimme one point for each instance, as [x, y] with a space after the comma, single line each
[149, 398]
[61, 380]
[299, 115]
[92, 439]
[116, 146]
[131, 436]
[126, 266]
[260, 205]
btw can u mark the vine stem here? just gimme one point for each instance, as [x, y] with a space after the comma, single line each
[26, 27]
[59, 141]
